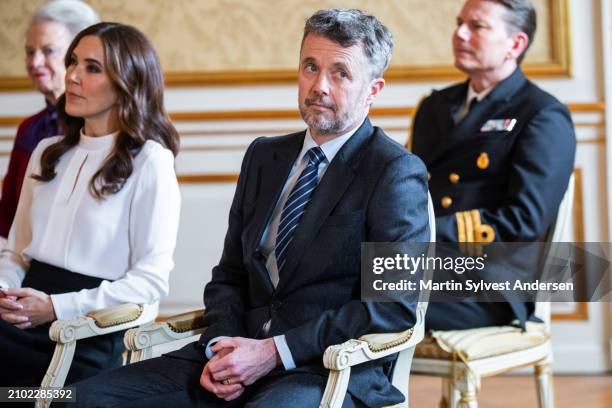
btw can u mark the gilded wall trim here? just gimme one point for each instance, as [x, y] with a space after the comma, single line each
[263, 47]
[207, 178]
[278, 114]
[581, 312]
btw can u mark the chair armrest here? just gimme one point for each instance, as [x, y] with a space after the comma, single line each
[341, 357]
[367, 348]
[65, 334]
[104, 321]
[186, 322]
[139, 341]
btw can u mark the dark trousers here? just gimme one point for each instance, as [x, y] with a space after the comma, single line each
[467, 315]
[172, 382]
[26, 354]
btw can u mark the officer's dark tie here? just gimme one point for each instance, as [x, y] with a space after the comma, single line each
[296, 204]
[473, 103]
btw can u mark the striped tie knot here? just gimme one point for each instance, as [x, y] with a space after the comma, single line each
[315, 156]
[296, 203]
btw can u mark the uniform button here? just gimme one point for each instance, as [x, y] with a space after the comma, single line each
[483, 161]
[276, 305]
[446, 202]
[428, 176]
[454, 178]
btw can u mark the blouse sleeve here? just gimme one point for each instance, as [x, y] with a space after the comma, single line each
[153, 227]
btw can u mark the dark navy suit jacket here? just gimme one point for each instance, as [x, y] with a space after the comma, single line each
[506, 184]
[373, 190]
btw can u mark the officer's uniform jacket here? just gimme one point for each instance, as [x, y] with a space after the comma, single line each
[501, 172]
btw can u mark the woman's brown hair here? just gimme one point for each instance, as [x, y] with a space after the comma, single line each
[133, 67]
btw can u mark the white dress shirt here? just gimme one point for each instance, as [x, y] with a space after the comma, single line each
[127, 238]
[465, 107]
[268, 240]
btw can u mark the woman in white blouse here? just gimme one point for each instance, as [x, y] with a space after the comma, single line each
[98, 213]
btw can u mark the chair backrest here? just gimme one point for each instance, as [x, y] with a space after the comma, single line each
[559, 232]
[424, 295]
[401, 373]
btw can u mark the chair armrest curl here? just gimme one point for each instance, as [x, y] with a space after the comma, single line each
[367, 348]
[140, 341]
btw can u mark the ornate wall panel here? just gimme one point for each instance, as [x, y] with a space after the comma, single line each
[208, 42]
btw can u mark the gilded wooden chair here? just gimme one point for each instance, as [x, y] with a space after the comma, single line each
[463, 357]
[66, 333]
[340, 358]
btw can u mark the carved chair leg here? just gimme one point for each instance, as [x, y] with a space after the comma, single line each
[335, 390]
[466, 384]
[468, 398]
[450, 395]
[445, 401]
[544, 385]
[58, 369]
[141, 355]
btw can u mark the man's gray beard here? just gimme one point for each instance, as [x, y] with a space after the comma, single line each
[322, 125]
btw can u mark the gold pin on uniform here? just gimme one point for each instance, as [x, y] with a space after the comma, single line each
[483, 161]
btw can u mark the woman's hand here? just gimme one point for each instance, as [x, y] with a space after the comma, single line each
[30, 309]
[8, 304]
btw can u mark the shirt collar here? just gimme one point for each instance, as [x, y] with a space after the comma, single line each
[97, 142]
[331, 148]
[471, 94]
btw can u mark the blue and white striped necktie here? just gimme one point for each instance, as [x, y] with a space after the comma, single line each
[296, 204]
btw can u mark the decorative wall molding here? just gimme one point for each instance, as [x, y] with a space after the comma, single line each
[278, 114]
[207, 178]
[580, 313]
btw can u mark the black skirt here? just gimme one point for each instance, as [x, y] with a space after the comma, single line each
[26, 354]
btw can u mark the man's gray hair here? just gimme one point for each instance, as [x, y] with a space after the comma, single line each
[520, 16]
[74, 14]
[348, 27]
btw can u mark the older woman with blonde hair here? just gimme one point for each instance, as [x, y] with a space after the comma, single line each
[50, 31]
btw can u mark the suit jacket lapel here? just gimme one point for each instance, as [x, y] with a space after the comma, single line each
[272, 179]
[332, 186]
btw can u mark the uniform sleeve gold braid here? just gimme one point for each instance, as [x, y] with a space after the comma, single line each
[483, 233]
[469, 226]
[460, 227]
[476, 249]
[476, 217]
[471, 246]
[411, 130]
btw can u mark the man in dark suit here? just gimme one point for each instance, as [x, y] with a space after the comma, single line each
[498, 149]
[288, 283]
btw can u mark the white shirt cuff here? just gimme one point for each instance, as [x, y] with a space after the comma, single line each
[66, 306]
[284, 352]
[209, 353]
